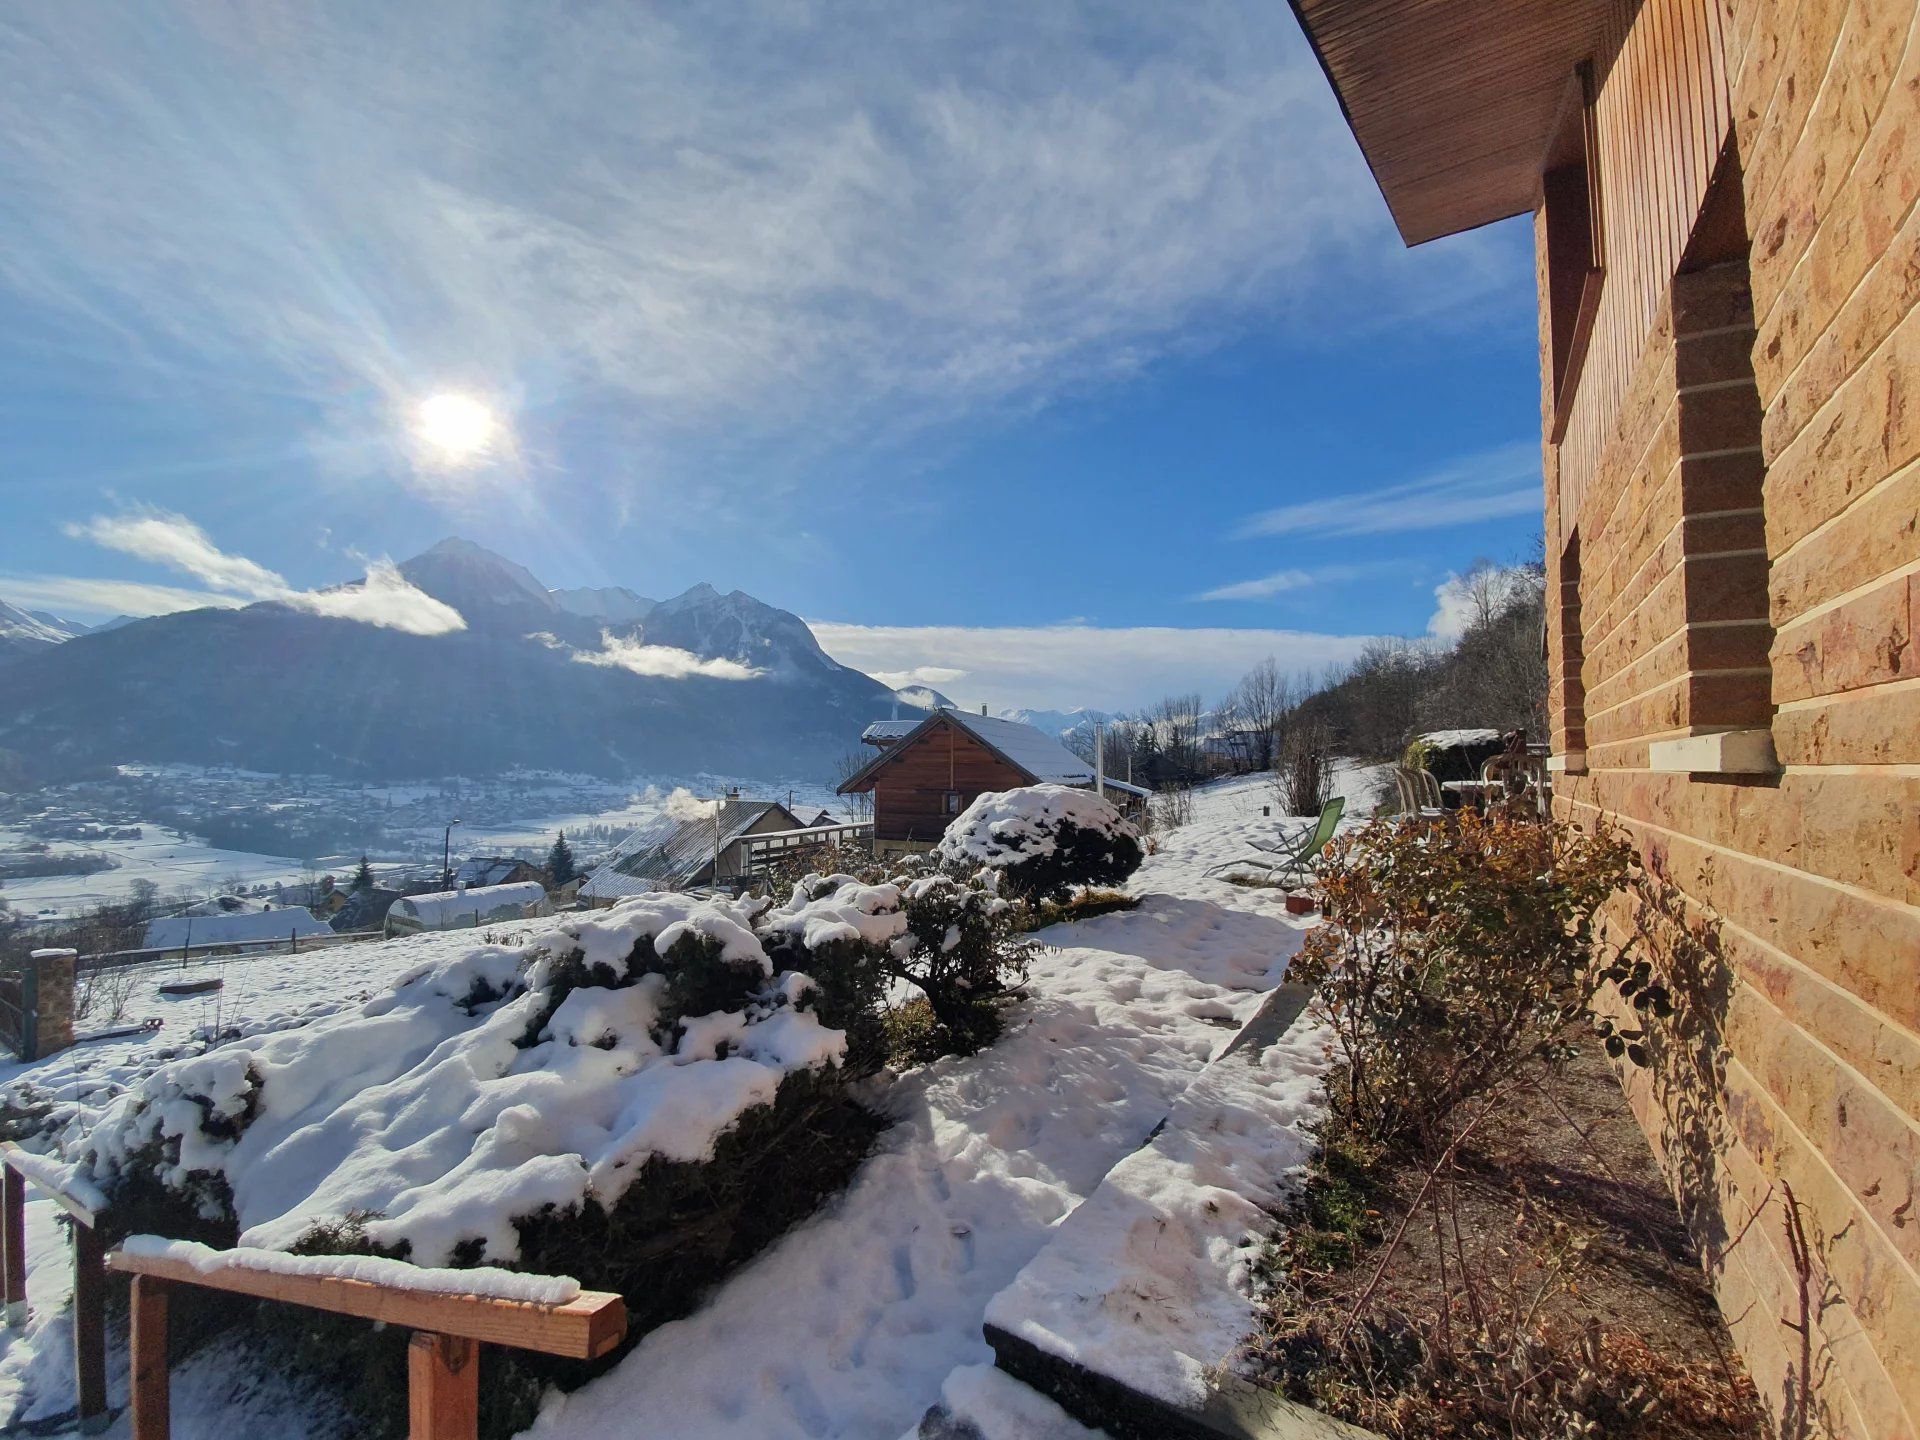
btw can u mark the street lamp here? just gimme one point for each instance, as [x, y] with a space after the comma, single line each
[446, 856]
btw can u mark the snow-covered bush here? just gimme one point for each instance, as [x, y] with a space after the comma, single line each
[481, 1091]
[954, 940]
[1044, 840]
[965, 950]
[842, 933]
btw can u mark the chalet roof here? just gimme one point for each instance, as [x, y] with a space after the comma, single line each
[669, 852]
[1036, 754]
[231, 927]
[478, 870]
[887, 731]
[1453, 101]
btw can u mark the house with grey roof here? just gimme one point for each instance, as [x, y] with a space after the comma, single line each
[929, 769]
[688, 851]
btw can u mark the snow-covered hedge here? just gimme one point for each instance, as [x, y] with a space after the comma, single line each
[481, 1091]
[1044, 840]
[950, 938]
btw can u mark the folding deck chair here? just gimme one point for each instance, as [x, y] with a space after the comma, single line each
[1290, 862]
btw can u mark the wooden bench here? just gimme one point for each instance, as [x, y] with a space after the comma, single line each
[443, 1369]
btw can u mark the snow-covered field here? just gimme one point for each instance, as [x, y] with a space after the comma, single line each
[852, 1324]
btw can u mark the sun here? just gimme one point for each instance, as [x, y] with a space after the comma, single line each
[456, 428]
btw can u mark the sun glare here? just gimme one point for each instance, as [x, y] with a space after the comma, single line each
[455, 427]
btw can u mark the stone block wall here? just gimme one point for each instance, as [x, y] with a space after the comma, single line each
[1742, 552]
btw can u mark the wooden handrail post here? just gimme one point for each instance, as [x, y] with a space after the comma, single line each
[151, 1394]
[443, 1387]
[90, 1327]
[13, 1236]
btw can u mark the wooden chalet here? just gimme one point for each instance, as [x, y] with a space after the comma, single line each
[930, 769]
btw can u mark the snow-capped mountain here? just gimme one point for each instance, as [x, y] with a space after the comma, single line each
[540, 679]
[477, 582]
[925, 697]
[610, 604]
[1059, 722]
[24, 631]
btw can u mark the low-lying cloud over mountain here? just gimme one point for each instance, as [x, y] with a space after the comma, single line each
[508, 674]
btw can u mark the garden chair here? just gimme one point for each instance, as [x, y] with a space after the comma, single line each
[1419, 793]
[1290, 862]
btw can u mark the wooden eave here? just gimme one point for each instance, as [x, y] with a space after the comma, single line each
[1453, 102]
[868, 775]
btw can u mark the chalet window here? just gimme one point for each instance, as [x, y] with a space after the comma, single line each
[1570, 196]
[953, 802]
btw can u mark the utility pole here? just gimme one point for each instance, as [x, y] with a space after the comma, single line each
[446, 856]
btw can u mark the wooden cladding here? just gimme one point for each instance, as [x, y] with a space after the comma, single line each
[1661, 118]
[1453, 101]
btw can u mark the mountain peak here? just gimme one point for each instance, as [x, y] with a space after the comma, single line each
[469, 576]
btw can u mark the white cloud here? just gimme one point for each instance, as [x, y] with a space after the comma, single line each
[1462, 600]
[1491, 485]
[1056, 666]
[662, 662]
[76, 594]
[934, 675]
[1283, 582]
[801, 220]
[385, 598]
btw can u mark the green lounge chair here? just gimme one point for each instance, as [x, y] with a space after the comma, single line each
[1291, 862]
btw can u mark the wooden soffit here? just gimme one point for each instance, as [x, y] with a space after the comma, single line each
[1453, 101]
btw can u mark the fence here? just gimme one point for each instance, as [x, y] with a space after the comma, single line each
[443, 1370]
[759, 853]
[17, 1167]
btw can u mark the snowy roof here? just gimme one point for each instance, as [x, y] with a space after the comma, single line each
[1044, 759]
[671, 851]
[1128, 786]
[891, 729]
[1034, 751]
[443, 905]
[1452, 739]
[478, 870]
[231, 927]
[608, 883]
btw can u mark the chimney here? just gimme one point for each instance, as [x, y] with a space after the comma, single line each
[983, 709]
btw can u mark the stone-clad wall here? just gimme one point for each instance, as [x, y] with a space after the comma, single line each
[1749, 557]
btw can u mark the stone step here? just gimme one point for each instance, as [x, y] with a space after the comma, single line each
[1129, 1317]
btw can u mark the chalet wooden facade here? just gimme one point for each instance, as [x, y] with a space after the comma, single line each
[930, 769]
[1727, 259]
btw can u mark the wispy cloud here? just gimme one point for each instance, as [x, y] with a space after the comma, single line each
[661, 662]
[1491, 485]
[71, 594]
[1055, 666]
[385, 598]
[934, 675]
[1284, 582]
[807, 220]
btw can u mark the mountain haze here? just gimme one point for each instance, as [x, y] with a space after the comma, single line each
[600, 681]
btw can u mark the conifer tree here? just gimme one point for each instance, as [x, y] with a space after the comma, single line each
[363, 877]
[560, 861]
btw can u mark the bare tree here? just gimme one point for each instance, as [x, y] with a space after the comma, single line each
[1258, 704]
[860, 803]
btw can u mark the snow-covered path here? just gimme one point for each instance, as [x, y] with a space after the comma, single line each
[849, 1326]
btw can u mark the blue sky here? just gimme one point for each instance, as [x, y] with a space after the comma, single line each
[1057, 354]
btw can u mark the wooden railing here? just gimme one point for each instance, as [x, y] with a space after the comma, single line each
[443, 1370]
[17, 1167]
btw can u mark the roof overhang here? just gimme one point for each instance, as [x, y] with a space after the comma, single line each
[1453, 102]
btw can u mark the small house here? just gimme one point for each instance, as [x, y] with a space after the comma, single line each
[479, 871]
[930, 769]
[681, 852]
[363, 910]
[465, 909]
[217, 924]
